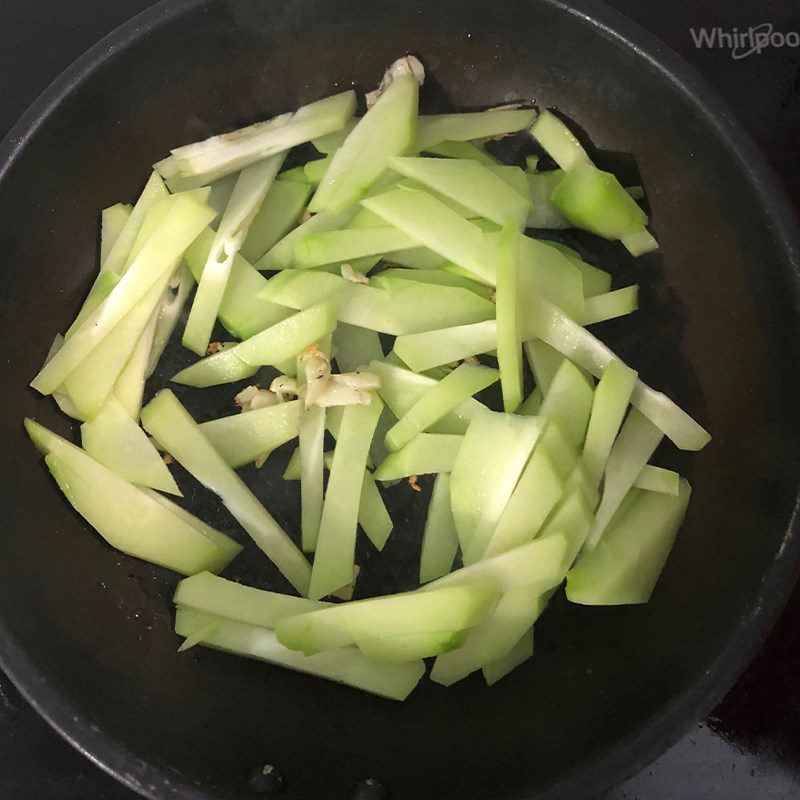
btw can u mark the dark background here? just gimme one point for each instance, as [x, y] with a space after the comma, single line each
[749, 747]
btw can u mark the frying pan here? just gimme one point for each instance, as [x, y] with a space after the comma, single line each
[85, 632]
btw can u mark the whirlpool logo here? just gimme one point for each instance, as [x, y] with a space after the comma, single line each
[745, 42]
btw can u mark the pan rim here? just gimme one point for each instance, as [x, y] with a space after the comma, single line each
[658, 734]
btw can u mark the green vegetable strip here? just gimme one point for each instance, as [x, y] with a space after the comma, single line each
[153, 218]
[534, 497]
[626, 564]
[440, 539]
[116, 257]
[581, 347]
[94, 378]
[181, 226]
[401, 389]
[503, 483]
[101, 288]
[492, 639]
[129, 388]
[62, 399]
[569, 402]
[272, 347]
[446, 395]
[637, 440]
[639, 242]
[462, 150]
[425, 454]
[559, 142]
[242, 311]
[611, 398]
[422, 351]
[470, 184]
[532, 164]
[355, 347]
[519, 654]
[489, 462]
[281, 254]
[656, 479]
[221, 155]
[168, 316]
[451, 608]
[242, 438]
[331, 142]
[331, 247]
[434, 129]
[278, 214]
[437, 227]
[115, 440]
[387, 129]
[572, 518]
[122, 514]
[543, 213]
[419, 258]
[165, 419]
[248, 194]
[544, 362]
[561, 451]
[531, 404]
[312, 436]
[595, 281]
[372, 514]
[112, 223]
[509, 339]
[345, 665]
[579, 479]
[296, 175]
[211, 594]
[334, 559]
[439, 277]
[315, 170]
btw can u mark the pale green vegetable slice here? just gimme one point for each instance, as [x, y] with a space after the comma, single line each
[411, 645]
[493, 638]
[278, 214]
[494, 452]
[440, 539]
[249, 192]
[242, 311]
[637, 440]
[518, 655]
[345, 665]
[461, 150]
[129, 387]
[165, 419]
[214, 595]
[158, 257]
[419, 258]
[543, 213]
[439, 277]
[422, 351]
[558, 140]
[509, 337]
[539, 489]
[569, 402]
[595, 281]
[387, 129]
[562, 452]
[532, 164]
[315, 170]
[443, 397]
[273, 346]
[434, 129]
[639, 242]
[581, 347]
[544, 362]
[469, 183]
[531, 404]
[401, 389]
[281, 254]
[168, 315]
[312, 436]
[579, 478]
[242, 438]
[657, 479]
[101, 288]
[626, 564]
[451, 608]
[335, 553]
[329, 247]
[62, 399]
[117, 254]
[425, 454]
[611, 305]
[124, 515]
[331, 142]
[611, 397]
[572, 519]
[112, 223]
[230, 152]
[355, 347]
[117, 442]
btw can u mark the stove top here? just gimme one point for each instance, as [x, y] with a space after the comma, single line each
[749, 746]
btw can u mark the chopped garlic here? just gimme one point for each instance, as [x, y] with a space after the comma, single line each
[213, 347]
[252, 398]
[259, 462]
[285, 388]
[407, 65]
[349, 274]
[412, 482]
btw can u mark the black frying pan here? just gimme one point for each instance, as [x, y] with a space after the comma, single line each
[86, 633]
